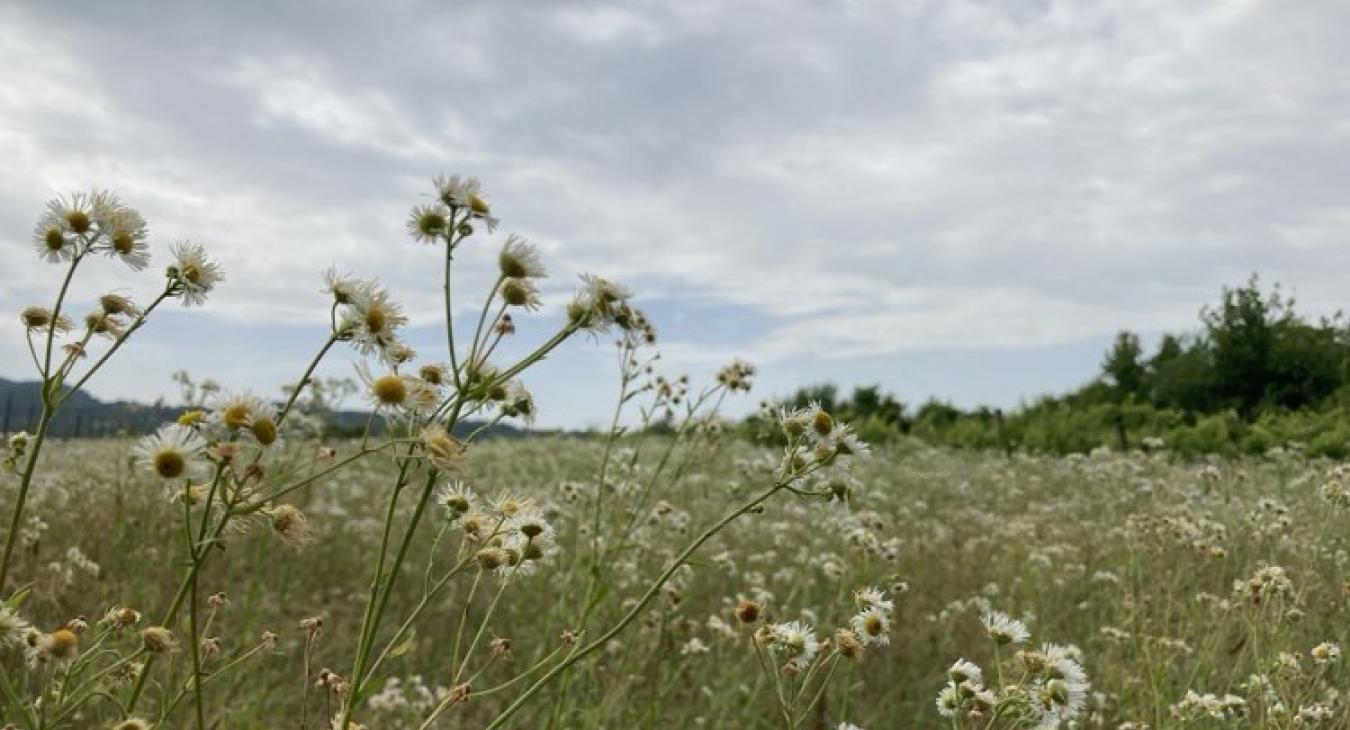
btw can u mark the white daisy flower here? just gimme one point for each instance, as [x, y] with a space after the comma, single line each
[966, 671]
[125, 236]
[1004, 629]
[519, 259]
[193, 274]
[872, 626]
[372, 321]
[172, 452]
[12, 627]
[795, 640]
[873, 597]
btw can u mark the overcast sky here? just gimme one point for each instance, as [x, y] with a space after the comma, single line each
[951, 198]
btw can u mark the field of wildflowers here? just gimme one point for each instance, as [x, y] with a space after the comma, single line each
[238, 569]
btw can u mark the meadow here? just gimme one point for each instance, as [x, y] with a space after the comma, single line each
[238, 569]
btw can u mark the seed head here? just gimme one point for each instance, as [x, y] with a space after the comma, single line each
[290, 524]
[492, 558]
[748, 611]
[389, 390]
[848, 643]
[159, 640]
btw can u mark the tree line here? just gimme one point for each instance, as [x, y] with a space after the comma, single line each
[1255, 375]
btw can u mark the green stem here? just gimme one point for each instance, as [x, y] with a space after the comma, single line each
[25, 482]
[637, 608]
[304, 379]
[131, 329]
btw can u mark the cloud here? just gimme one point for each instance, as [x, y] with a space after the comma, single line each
[859, 179]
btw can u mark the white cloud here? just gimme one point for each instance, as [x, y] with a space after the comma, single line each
[867, 178]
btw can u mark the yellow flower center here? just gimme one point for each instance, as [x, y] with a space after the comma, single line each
[234, 417]
[53, 239]
[390, 390]
[123, 243]
[265, 430]
[79, 221]
[431, 223]
[873, 625]
[375, 319]
[192, 273]
[63, 643]
[478, 205]
[170, 464]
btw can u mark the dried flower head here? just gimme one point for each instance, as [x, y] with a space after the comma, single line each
[519, 259]
[159, 640]
[290, 524]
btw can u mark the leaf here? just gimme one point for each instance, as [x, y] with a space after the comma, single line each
[404, 646]
[21, 595]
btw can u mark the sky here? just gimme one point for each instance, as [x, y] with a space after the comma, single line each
[953, 199]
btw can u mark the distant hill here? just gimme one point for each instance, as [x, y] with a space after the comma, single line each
[86, 416]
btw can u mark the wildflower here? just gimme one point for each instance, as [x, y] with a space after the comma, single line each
[390, 389]
[210, 648]
[12, 627]
[492, 558]
[344, 288]
[372, 321]
[444, 450]
[102, 323]
[521, 293]
[428, 223]
[116, 304]
[736, 376]
[126, 233]
[80, 220]
[598, 304]
[235, 411]
[795, 640]
[159, 640]
[519, 402]
[694, 646]
[459, 192]
[192, 274]
[872, 597]
[171, 452]
[121, 617]
[434, 373]
[457, 498]
[1004, 629]
[290, 524]
[40, 318]
[465, 193]
[872, 626]
[519, 259]
[948, 701]
[965, 671]
[748, 611]
[848, 643]
[1326, 652]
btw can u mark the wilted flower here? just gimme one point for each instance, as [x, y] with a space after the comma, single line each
[519, 259]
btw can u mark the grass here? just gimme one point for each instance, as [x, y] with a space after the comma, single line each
[1133, 558]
